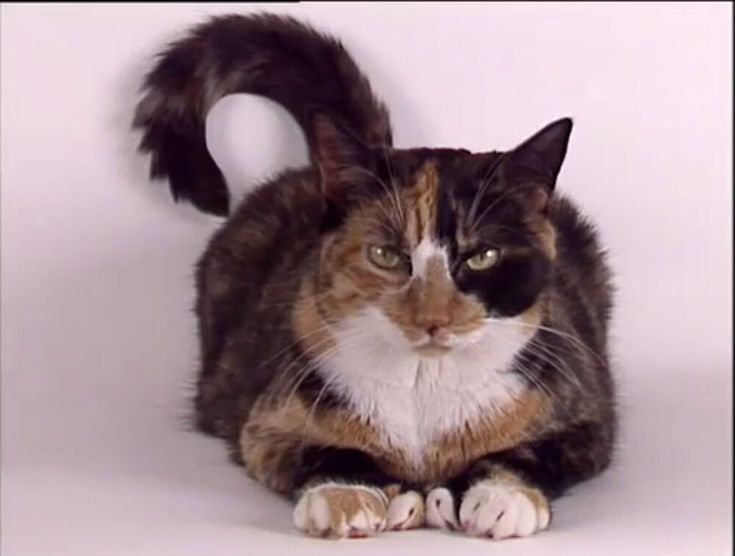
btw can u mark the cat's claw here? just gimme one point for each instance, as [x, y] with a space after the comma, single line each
[406, 511]
[499, 510]
[341, 511]
[440, 510]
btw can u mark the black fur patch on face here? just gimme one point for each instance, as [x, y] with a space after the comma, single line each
[475, 200]
[510, 288]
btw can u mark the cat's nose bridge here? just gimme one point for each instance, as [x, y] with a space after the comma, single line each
[433, 296]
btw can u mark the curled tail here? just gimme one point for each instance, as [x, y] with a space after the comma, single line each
[273, 56]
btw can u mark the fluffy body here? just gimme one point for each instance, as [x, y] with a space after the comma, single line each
[359, 387]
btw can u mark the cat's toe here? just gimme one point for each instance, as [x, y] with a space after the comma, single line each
[406, 511]
[499, 511]
[338, 511]
[440, 509]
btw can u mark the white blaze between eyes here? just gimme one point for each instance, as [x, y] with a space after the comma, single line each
[425, 251]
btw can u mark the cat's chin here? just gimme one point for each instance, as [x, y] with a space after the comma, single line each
[431, 350]
[435, 347]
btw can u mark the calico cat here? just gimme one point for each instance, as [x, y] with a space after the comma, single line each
[392, 337]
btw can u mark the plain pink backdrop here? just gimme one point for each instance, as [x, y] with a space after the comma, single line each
[98, 342]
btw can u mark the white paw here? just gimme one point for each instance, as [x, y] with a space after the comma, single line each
[499, 510]
[440, 510]
[338, 511]
[406, 511]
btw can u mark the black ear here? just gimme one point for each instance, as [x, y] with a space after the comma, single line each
[533, 166]
[344, 161]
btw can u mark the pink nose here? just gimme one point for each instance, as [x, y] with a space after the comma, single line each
[432, 323]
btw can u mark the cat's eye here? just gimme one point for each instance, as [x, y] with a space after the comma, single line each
[384, 256]
[483, 260]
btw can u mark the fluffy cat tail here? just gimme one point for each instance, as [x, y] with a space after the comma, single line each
[273, 56]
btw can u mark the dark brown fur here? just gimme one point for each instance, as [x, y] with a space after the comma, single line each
[290, 259]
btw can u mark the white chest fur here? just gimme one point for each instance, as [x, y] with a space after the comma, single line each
[412, 401]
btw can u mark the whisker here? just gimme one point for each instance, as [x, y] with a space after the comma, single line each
[492, 205]
[393, 181]
[315, 364]
[538, 381]
[323, 328]
[541, 353]
[535, 380]
[564, 335]
[307, 353]
[278, 387]
[390, 194]
[481, 190]
[346, 339]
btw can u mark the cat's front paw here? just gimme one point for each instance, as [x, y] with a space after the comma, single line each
[500, 510]
[339, 511]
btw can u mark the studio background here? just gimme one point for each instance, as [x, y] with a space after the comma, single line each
[98, 346]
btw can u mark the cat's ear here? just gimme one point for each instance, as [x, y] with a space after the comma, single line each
[533, 166]
[343, 160]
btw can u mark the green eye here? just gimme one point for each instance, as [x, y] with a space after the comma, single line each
[484, 260]
[383, 256]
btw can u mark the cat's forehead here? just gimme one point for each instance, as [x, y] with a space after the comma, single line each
[445, 192]
[458, 172]
[450, 163]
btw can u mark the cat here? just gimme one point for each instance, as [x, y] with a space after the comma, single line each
[393, 338]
